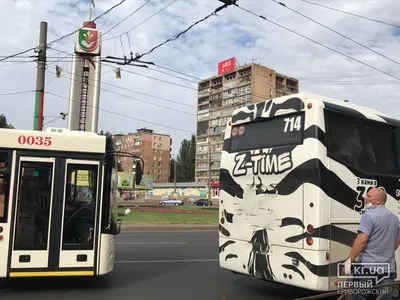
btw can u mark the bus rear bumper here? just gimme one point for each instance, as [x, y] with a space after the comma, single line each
[298, 267]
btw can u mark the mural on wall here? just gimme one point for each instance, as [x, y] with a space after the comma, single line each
[180, 192]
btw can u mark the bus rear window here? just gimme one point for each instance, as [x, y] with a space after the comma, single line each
[4, 184]
[281, 131]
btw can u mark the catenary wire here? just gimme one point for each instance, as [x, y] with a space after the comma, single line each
[156, 13]
[132, 98]
[184, 31]
[352, 14]
[64, 36]
[124, 19]
[134, 91]
[314, 41]
[121, 115]
[342, 35]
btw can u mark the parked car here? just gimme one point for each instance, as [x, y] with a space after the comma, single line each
[202, 202]
[171, 202]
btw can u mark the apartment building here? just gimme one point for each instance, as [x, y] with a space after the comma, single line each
[154, 148]
[219, 96]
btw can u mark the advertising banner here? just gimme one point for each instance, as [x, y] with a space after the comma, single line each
[125, 180]
[146, 183]
[226, 66]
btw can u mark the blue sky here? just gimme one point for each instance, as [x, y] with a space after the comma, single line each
[233, 33]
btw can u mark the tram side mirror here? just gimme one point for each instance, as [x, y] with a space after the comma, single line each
[138, 173]
[118, 229]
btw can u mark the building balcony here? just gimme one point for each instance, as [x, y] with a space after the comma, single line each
[204, 111]
[204, 91]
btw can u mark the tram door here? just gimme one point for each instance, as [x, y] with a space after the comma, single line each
[56, 205]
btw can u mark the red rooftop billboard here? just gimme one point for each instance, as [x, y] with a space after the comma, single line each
[226, 66]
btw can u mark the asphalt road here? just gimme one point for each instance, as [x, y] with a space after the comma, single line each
[152, 266]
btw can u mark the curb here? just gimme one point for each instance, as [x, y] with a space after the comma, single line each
[167, 227]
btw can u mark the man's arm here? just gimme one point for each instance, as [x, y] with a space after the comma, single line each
[364, 231]
[397, 243]
[358, 245]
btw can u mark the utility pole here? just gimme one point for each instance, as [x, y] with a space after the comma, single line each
[174, 176]
[209, 169]
[40, 79]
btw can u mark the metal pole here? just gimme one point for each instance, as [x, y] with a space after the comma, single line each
[40, 78]
[174, 176]
[209, 169]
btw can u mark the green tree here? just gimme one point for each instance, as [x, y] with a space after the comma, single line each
[3, 122]
[185, 161]
[107, 133]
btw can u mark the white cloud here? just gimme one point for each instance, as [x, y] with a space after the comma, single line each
[233, 33]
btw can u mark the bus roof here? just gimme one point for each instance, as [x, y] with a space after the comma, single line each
[53, 139]
[297, 102]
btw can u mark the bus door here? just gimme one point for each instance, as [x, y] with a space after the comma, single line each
[55, 217]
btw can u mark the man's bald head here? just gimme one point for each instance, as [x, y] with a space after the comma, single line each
[376, 196]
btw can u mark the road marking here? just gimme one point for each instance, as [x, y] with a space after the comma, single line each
[164, 261]
[164, 231]
[149, 243]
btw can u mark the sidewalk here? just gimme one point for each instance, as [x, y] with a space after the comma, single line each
[167, 227]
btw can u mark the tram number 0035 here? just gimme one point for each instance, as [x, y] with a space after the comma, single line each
[34, 140]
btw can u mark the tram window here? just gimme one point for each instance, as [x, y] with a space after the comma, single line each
[80, 207]
[4, 185]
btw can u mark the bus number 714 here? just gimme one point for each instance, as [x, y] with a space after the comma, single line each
[292, 123]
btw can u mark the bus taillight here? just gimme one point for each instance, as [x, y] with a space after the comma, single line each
[222, 220]
[310, 241]
[310, 228]
[1, 229]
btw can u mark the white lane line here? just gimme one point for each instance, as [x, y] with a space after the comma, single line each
[164, 231]
[149, 243]
[164, 261]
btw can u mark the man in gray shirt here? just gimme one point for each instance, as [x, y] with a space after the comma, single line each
[377, 240]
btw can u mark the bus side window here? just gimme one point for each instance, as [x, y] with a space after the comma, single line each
[4, 185]
[397, 150]
[344, 139]
[364, 144]
[380, 150]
